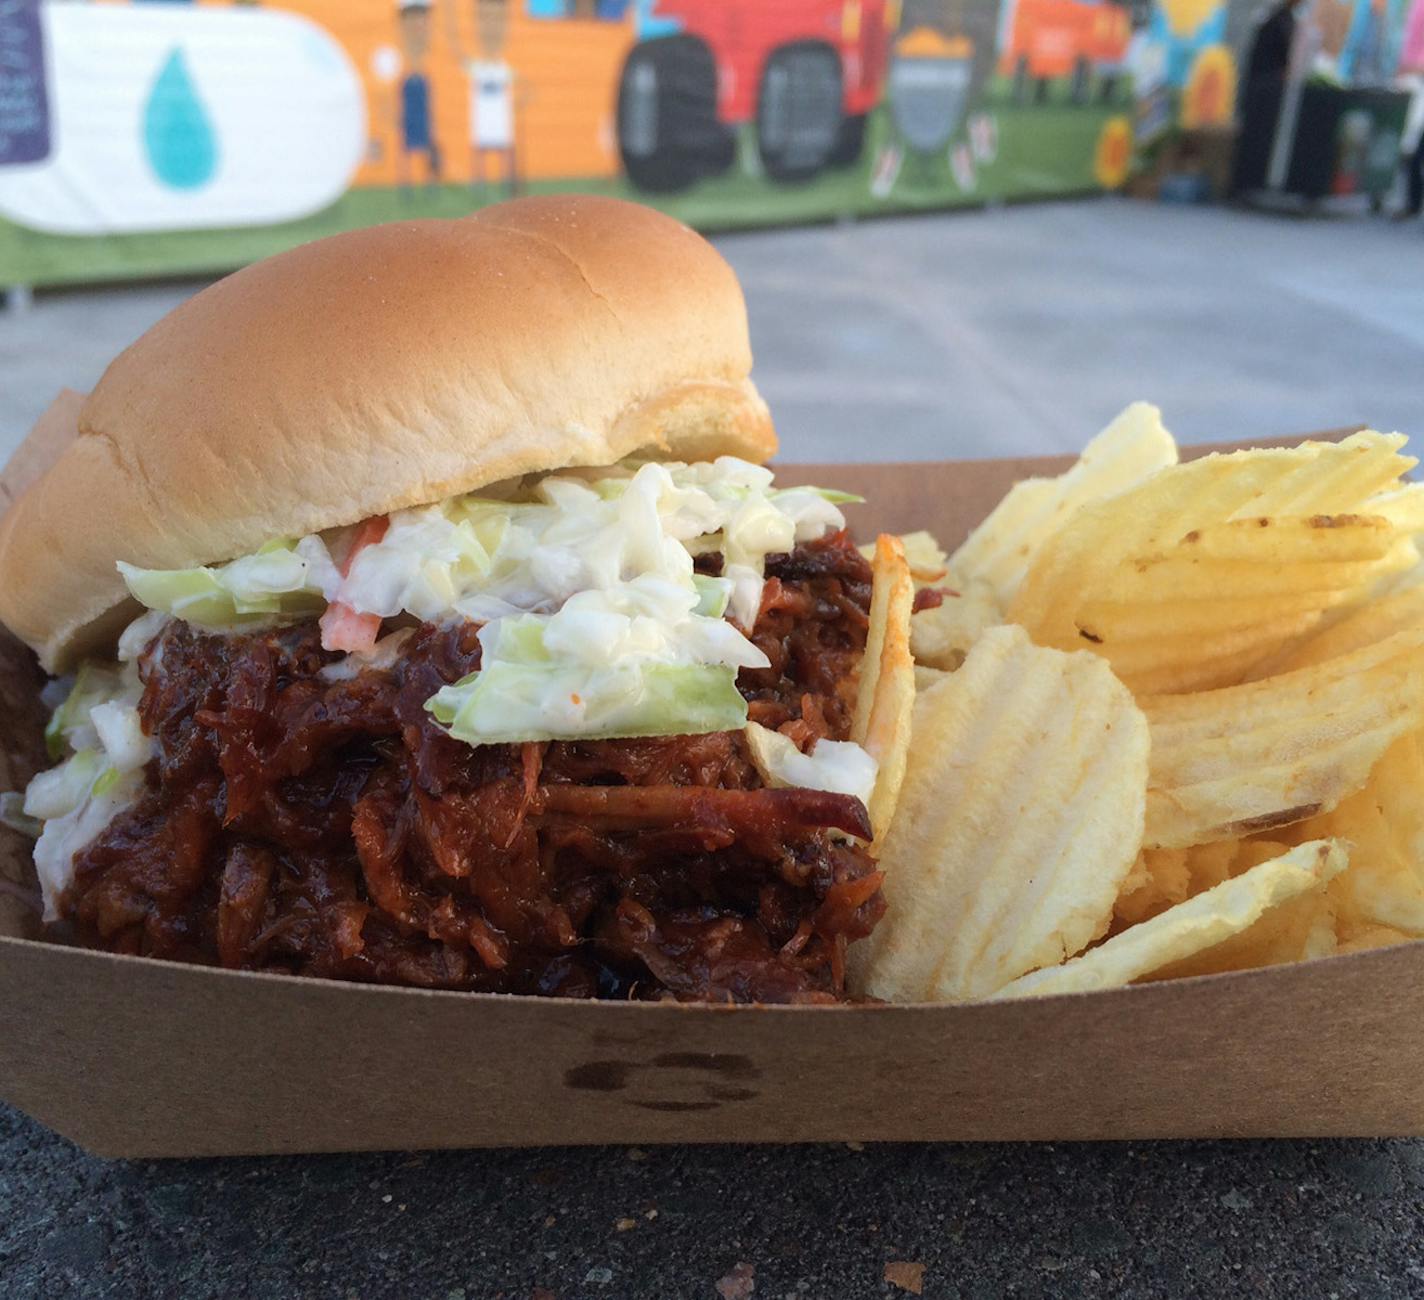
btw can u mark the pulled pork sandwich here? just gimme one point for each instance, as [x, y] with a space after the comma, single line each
[426, 617]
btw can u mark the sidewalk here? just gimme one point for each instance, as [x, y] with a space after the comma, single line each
[986, 333]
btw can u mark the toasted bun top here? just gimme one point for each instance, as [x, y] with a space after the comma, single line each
[377, 370]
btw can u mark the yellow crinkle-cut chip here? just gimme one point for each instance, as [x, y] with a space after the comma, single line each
[1392, 612]
[1001, 549]
[1182, 933]
[940, 637]
[1201, 572]
[885, 697]
[926, 557]
[1384, 823]
[1020, 815]
[1253, 758]
[1162, 878]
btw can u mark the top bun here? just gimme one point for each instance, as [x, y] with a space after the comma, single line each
[377, 370]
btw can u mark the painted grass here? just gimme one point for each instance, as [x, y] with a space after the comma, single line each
[1043, 149]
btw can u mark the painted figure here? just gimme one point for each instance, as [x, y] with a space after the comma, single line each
[415, 104]
[493, 94]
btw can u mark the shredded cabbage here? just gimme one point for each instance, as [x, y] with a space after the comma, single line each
[66, 834]
[13, 815]
[69, 725]
[121, 735]
[61, 790]
[713, 595]
[482, 558]
[634, 660]
[510, 703]
[628, 638]
[97, 725]
[835, 765]
[283, 579]
[135, 638]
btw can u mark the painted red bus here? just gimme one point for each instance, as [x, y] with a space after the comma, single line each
[803, 73]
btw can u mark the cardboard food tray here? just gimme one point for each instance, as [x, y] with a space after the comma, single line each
[132, 1057]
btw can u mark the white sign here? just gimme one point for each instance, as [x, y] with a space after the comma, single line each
[170, 118]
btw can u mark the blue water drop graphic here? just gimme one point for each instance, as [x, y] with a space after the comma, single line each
[177, 132]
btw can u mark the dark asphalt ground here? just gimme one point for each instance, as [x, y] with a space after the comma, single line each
[1288, 1219]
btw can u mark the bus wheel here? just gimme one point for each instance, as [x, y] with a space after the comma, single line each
[668, 133]
[799, 110]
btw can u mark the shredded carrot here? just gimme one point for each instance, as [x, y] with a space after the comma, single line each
[342, 627]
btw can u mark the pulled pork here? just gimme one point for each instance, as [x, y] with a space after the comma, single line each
[331, 828]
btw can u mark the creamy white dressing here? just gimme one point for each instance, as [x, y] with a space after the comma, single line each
[836, 765]
[632, 659]
[65, 835]
[96, 724]
[383, 655]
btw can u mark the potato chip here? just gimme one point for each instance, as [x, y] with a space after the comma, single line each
[942, 636]
[1001, 549]
[1252, 758]
[1360, 627]
[1384, 823]
[1021, 814]
[927, 677]
[926, 557]
[1183, 932]
[1403, 507]
[1370, 937]
[1300, 929]
[885, 696]
[1202, 571]
[1162, 878]
[1283, 592]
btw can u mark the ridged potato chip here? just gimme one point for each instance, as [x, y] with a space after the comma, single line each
[1174, 937]
[1360, 627]
[1021, 814]
[1384, 823]
[1283, 592]
[885, 696]
[1162, 878]
[1252, 758]
[1001, 549]
[1371, 937]
[926, 557]
[940, 637]
[926, 677]
[1300, 929]
[1202, 571]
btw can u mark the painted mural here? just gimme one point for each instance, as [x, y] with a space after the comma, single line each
[1183, 69]
[147, 138]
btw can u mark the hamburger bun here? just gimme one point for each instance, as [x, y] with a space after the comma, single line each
[377, 370]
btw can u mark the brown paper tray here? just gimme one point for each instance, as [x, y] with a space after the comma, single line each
[131, 1057]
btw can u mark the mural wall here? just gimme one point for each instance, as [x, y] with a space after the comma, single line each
[145, 138]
